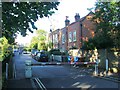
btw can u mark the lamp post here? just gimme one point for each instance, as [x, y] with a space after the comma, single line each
[52, 37]
[81, 39]
[52, 42]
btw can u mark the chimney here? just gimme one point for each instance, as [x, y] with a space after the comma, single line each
[67, 22]
[77, 17]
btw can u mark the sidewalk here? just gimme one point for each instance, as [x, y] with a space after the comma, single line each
[19, 81]
[111, 76]
[20, 84]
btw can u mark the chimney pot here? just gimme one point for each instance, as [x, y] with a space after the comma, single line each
[77, 17]
[67, 22]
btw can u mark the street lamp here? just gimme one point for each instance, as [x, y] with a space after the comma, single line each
[81, 39]
[52, 37]
[52, 43]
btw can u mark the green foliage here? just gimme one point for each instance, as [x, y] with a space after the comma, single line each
[39, 41]
[108, 23]
[49, 44]
[4, 52]
[35, 46]
[55, 52]
[103, 41]
[17, 17]
[42, 46]
[99, 42]
[41, 36]
[64, 53]
[90, 45]
[33, 43]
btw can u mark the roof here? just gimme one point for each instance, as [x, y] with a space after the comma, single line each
[81, 19]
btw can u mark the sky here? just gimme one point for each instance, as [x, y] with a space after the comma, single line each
[56, 21]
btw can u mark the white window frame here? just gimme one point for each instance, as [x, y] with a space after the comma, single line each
[70, 36]
[56, 38]
[74, 36]
[63, 38]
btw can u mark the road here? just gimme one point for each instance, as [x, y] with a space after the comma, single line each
[59, 76]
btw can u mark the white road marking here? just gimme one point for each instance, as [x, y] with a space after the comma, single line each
[40, 84]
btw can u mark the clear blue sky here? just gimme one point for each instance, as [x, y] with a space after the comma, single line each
[66, 8]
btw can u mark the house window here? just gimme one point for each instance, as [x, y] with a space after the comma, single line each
[56, 38]
[63, 38]
[70, 36]
[74, 36]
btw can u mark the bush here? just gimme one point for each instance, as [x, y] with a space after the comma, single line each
[5, 48]
[55, 52]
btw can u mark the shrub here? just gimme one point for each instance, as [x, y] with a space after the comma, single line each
[55, 52]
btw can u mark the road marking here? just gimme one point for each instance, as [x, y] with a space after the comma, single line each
[39, 83]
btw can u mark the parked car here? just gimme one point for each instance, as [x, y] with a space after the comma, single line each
[24, 52]
[33, 52]
[42, 57]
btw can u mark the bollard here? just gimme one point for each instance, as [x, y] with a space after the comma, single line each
[96, 68]
[6, 71]
[107, 66]
[28, 69]
[52, 57]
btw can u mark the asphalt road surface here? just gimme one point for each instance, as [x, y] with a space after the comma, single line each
[59, 76]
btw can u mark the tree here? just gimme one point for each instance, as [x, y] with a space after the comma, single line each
[3, 48]
[41, 35]
[107, 18]
[17, 17]
[39, 41]
[89, 45]
[34, 42]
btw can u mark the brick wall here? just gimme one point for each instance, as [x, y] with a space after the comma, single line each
[88, 28]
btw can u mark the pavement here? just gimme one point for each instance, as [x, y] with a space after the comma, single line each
[19, 81]
[23, 82]
[109, 76]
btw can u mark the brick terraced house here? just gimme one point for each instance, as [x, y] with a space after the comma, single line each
[73, 34]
